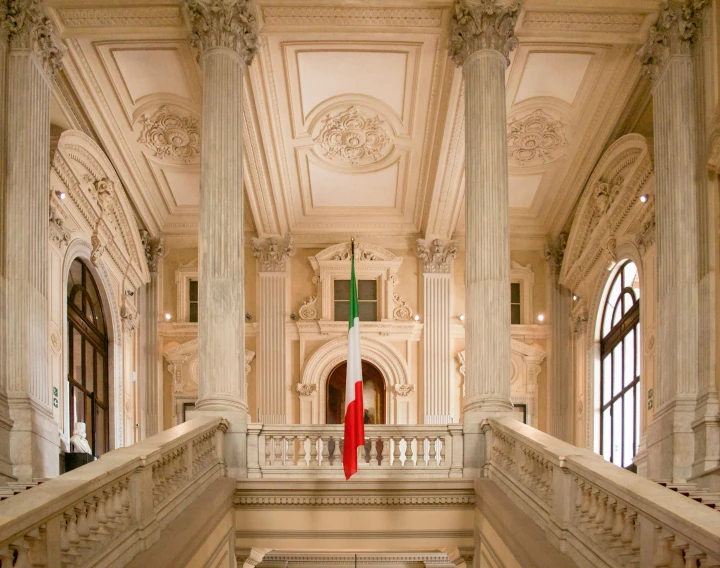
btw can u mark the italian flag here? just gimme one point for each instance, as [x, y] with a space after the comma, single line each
[354, 414]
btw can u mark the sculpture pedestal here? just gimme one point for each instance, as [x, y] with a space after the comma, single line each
[74, 460]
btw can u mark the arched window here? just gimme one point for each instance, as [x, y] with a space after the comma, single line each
[618, 389]
[373, 394]
[88, 348]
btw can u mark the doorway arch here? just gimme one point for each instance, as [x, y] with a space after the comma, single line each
[373, 394]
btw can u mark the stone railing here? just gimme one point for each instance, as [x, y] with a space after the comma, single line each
[390, 451]
[598, 513]
[106, 512]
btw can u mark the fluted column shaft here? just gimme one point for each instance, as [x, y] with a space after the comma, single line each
[437, 353]
[272, 355]
[153, 362]
[561, 391]
[221, 331]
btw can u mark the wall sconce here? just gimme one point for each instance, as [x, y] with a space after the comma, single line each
[60, 194]
[248, 316]
[168, 317]
[416, 317]
[541, 317]
[293, 316]
[644, 198]
[575, 298]
[462, 317]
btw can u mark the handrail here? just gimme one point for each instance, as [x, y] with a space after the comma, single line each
[112, 508]
[606, 515]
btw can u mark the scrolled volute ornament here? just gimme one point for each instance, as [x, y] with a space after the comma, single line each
[222, 23]
[482, 25]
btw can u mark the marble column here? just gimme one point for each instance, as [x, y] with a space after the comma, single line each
[481, 38]
[223, 32]
[273, 371]
[561, 352]
[32, 59]
[152, 394]
[437, 258]
[668, 58]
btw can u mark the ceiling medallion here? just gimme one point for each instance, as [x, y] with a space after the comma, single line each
[536, 137]
[170, 136]
[354, 138]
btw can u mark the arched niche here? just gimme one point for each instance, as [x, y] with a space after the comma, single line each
[373, 394]
[313, 387]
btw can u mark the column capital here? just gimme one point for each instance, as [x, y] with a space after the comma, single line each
[154, 249]
[23, 26]
[673, 34]
[271, 254]
[554, 252]
[483, 25]
[437, 256]
[223, 23]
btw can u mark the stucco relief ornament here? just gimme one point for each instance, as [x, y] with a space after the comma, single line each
[554, 253]
[154, 249]
[362, 252]
[170, 136]
[272, 254]
[129, 317]
[305, 389]
[223, 23]
[26, 27]
[535, 137]
[436, 256]
[402, 311]
[59, 235]
[352, 137]
[403, 390]
[482, 25]
[674, 33]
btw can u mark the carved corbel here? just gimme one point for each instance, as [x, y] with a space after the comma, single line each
[272, 255]
[437, 256]
[306, 389]
[154, 249]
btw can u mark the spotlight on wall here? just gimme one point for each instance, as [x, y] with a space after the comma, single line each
[168, 317]
[575, 298]
[416, 317]
[129, 293]
[248, 316]
[541, 317]
[644, 198]
[462, 317]
[293, 316]
[60, 194]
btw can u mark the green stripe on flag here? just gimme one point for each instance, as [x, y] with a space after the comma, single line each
[353, 293]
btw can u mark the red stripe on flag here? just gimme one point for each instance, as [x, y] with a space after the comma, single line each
[354, 431]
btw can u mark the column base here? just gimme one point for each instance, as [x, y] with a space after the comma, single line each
[474, 447]
[479, 409]
[34, 440]
[706, 428]
[235, 438]
[670, 443]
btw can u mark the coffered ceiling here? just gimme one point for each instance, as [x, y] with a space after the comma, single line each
[353, 113]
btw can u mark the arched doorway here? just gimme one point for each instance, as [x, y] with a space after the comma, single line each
[373, 394]
[89, 394]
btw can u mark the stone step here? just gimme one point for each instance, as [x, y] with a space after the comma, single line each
[15, 487]
[695, 493]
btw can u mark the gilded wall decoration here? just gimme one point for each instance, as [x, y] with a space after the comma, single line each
[352, 137]
[535, 138]
[170, 136]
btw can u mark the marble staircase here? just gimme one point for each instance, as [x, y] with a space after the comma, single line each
[696, 493]
[13, 488]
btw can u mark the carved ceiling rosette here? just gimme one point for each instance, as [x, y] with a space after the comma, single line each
[171, 135]
[352, 137]
[535, 138]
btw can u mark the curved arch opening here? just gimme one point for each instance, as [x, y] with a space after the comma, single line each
[373, 394]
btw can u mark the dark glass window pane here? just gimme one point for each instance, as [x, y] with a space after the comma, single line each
[367, 311]
[78, 410]
[342, 289]
[89, 367]
[342, 311]
[193, 311]
[515, 314]
[100, 377]
[193, 290]
[100, 441]
[515, 292]
[76, 355]
[367, 290]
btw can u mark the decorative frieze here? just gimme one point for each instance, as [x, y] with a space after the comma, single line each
[352, 137]
[351, 16]
[535, 138]
[271, 254]
[437, 256]
[674, 33]
[124, 17]
[26, 27]
[171, 136]
[587, 22]
[154, 249]
[482, 25]
[220, 23]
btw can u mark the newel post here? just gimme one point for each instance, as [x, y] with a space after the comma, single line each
[456, 450]
[563, 494]
[140, 489]
[253, 451]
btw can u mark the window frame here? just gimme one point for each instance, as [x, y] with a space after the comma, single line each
[183, 276]
[524, 276]
[376, 301]
[608, 342]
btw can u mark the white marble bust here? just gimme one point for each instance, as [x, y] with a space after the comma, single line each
[78, 441]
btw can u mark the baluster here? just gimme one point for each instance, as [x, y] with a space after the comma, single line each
[580, 495]
[432, 451]
[314, 451]
[302, 459]
[83, 530]
[109, 509]
[397, 452]
[276, 450]
[384, 453]
[6, 557]
[268, 446]
[618, 526]
[585, 508]
[442, 440]
[373, 451]
[100, 514]
[117, 506]
[678, 551]
[72, 534]
[609, 518]
[662, 555]
[21, 547]
[325, 451]
[599, 518]
[290, 451]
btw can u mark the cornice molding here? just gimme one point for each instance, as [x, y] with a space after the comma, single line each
[125, 17]
[350, 16]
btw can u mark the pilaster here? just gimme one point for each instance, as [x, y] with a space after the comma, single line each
[152, 387]
[32, 59]
[560, 409]
[437, 258]
[273, 370]
[481, 38]
[667, 57]
[224, 34]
